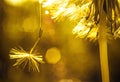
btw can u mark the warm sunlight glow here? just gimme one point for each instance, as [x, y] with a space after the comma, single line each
[30, 24]
[119, 1]
[46, 12]
[40, 1]
[15, 2]
[49, 2]
[53, 55]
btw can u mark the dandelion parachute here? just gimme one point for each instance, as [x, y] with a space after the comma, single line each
[26, 60]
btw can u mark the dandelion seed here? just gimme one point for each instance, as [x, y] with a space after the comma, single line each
[24, 59]
[117, 33]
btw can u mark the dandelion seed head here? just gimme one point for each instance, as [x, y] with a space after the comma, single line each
[86, 29]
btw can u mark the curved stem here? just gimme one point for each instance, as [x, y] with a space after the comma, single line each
[32, 49]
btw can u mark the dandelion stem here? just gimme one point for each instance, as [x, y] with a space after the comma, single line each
[103, 49]
[40, 25]
[34, 45]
